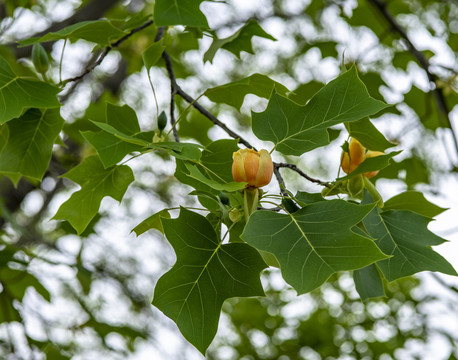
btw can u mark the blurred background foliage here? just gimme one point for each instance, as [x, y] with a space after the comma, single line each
[88, 297]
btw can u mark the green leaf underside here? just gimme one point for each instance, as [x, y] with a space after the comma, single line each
[372, 164]
[205, 274]
[367, 134]
[26, 143]
[405, 236]
[313, 243]
[96, 182]
[152, 222]
[234, 93]
[152, 54]
[413, 201]
[368, 282]
[179, 12]
[216, 159]
[18, 93]
[239, 41]
[296, 129]
[100, 32]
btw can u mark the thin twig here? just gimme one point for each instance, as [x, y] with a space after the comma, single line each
[107, 51]
[422, 60]
[301, 173]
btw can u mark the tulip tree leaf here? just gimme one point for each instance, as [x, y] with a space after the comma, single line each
[314, 242]
[205, 274]
[101, 32]
[405, 236]
[239, 41]
[179, 12]
[234, 93]
[368, 282]
[26, 143]
[19, 93]
[96, 182]
[152, 54]
[152, 222]
[372, 164]
[212, 170]
[296, 129]
[367, 134]
[413, 201]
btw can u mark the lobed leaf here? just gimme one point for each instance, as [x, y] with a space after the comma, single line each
[96, 182]
[101, 32]
[19, 93]
[152, 222]
[368, 282]
[296, 129]
[367, 134]
[239, 41]
[234, 93]
[413, 201]
[179, 12]
[314, 242]
[404, 235]
[205, 274]
[26, 143]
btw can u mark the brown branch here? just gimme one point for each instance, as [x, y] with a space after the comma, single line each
[301, 173]
[437, 92]
[93, 11]
[107, 51]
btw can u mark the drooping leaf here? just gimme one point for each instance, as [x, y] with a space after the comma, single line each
[413, 201]
[234, 93]
[368, 282]
[215, 166]
[195, 173]
[371, 164]
[27, 142]
[100, 32]
[152, 54]
[96, 182]
[179, 12]
[367, 134]
[405, 236]
[19, 93]
[152, 222]
[205, 274]
[297, 129]
[313, 243]
[239, 41]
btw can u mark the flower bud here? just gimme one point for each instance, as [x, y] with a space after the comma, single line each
[253, 167]
[370, 154]
[353, 158]
[40, 58]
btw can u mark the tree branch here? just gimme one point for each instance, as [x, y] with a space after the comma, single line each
[422, 60]
[301, 173]
[107, 51]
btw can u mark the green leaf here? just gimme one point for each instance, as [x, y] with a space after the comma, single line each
[195, 173]
[18, 281]
[309, 198]
[179, 12]
[234, 93]
[153, 222]
[19, 93]
[205, 274]
[239, 41]
[152, 54]
[215, 167]
[101, 32]
[368, 282]
[372, 164]
[26, 143]
[413, 201]
[305, 92]
[404, 235]
[296, 129]
[425, 107]
[367, 134]
[96, 182]
[314, 242]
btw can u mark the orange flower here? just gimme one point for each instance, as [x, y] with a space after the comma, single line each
[253, 167]
[357, 154]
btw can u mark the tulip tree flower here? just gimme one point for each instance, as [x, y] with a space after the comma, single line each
[256, 169]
